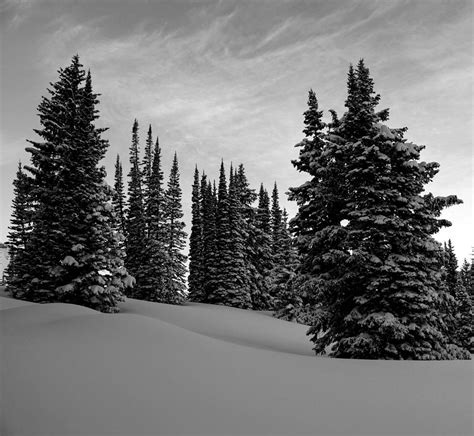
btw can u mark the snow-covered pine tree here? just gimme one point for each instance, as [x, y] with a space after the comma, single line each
[386, 302]
[153, 285]
[147, 165]
[195, 278]
[463, 335]
[285, 265]
[260, 255]
[174, 241]
[319, 234]
[136, 220]
[20, 223]
[119, 196]
[451, 265]
[465, 275]
[276, 215]
[73, 253]
[263, 211]
[209, 249]
[225, 287]
[238, 235]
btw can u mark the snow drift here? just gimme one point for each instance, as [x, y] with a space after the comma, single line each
[156, 369]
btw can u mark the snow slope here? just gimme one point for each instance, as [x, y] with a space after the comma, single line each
[156, 369]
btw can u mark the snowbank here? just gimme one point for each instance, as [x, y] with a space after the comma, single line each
[156, 369]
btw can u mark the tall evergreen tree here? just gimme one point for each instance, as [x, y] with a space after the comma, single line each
[384, 299]
[153, 286]
[317, 227]
[263, 211]
[465, 275]
[119, 196]
[147, 172]
[21, 217]
[451, 265]
[174, 239]
[226, 287]
[209, 248]
[276, 220]
[136, 225]
[72, 253]
[195, 278]
[463, 334]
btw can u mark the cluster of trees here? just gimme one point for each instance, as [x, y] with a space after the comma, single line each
[361, 266]
[460, 286]
[151, 220]
[240, 254]
[63, 243]
[370, 272]
[73, 238]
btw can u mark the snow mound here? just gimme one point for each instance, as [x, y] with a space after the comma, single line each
[195, 370]
[244, 327]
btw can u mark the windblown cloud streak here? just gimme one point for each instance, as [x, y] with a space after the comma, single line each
[230, 79]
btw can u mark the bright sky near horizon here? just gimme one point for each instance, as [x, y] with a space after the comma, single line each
[229, 79]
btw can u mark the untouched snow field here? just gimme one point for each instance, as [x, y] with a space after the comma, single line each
[156, 369]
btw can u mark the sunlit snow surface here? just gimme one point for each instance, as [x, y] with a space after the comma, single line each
[156, 369]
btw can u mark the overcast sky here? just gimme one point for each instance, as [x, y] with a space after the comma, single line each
[229, 79]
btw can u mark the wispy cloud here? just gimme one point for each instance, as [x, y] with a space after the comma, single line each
[229, 79]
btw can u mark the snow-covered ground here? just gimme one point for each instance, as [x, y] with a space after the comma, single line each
[156, 369]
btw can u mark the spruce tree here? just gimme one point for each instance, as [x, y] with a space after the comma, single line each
[119, 196]
[136, 222]
[226, 286]
[463, 335]
[20, 222]
[209, 237]
[276, 221]
[195, 278]
[384, 299]
[319, 234]
[451, 265]
[72, 253]
[263, 211]
[282, 276]
[174, 241]
[153, 285]
[147, 165]
[465, 275]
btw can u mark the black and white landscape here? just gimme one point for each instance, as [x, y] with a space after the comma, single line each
[236, 218]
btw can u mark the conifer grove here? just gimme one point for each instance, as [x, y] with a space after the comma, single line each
[358, 263]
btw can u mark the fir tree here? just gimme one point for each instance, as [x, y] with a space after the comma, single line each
[20, 223]
[72, 254]
[147, 165]
[463, 334]
[319, 235]
[209, 248]
[276, 221]
[263, 211]
[119, 196]
[384, 300]
[174, 239]
[153, 284]
[226, 285]
[282, 276]
[451, 265]
[136, 225]
[465, 276]
[195, 278]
